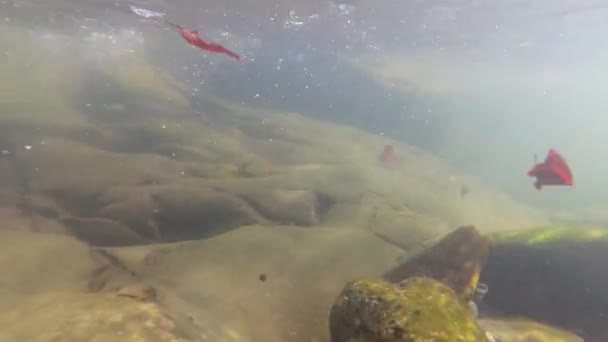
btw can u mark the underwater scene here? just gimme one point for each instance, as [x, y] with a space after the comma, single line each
[303, 171]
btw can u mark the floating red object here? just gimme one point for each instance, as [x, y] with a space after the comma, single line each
[388, 156]
[553, 171]
[193, 38]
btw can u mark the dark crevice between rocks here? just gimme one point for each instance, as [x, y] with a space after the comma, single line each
[102, 232]
[141, 140]
[111, 274]
[175, 228]
[147, 230]
[563, 284]
[30, 208]
[181, 214]
[303, 212]
[80, 202]
[324, 204]
[204, 215]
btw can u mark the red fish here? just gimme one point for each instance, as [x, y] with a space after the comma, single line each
[388, 156]
[553, 171]
[192, 37]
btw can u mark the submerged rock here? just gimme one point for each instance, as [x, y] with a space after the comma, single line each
[138, 291]
[186, 213]
[41, 205]
[220, 277]
[36, 262]
[298, 207]
[541, 272]
[403, 227]
[455, 260]
[134, 207]
[522, 330]
[419, 309]
[102, 232]
[91, 317]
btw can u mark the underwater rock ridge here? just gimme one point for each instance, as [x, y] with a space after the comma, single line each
[171, 213]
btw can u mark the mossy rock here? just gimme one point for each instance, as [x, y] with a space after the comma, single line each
[456, 260]
[538, 273]
[419, 309]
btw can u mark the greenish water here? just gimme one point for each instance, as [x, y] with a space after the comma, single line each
[135, 167]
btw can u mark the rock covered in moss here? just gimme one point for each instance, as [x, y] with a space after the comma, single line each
[419, 309]
[537, 273]
[455, 260]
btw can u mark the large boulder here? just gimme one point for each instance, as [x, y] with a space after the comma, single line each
[427, 299]
[419, 309]
[539, 273]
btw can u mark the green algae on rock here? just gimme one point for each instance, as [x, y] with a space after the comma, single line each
[419, 309]
[456, 260]
[551, 234]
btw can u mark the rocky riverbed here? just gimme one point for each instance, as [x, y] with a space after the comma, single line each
[129, 210]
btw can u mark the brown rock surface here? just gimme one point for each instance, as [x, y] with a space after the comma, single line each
[456, 260]
[220, 276]
[89, 317]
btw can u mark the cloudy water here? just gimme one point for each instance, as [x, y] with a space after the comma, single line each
[224, 169]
